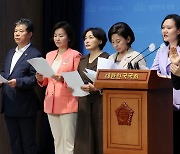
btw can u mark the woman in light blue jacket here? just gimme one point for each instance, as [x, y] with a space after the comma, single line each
[170, 29]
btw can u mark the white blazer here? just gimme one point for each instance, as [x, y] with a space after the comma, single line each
[127, 58]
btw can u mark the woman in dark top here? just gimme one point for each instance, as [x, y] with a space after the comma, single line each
[88, 138]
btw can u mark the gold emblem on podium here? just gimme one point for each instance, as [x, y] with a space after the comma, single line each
[124, 114]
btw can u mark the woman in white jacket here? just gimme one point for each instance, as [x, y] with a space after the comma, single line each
[121, 36]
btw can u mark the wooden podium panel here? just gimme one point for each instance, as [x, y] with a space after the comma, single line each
[124, 136]
[137, 119]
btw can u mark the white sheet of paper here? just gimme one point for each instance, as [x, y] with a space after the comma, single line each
[104, 63]
[90, 74]
[41, 66]
[2, 79]
[73, 80]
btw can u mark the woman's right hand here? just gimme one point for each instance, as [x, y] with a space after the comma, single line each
[39, 77]
[173, 55]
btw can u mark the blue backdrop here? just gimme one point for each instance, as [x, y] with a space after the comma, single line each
[143, 16]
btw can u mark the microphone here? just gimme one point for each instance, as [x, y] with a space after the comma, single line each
[151, 47]
[136, 65]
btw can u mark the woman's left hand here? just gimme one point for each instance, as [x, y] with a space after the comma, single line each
[88, 87]
[175, 69]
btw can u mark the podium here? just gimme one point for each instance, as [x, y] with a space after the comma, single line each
[137, 112]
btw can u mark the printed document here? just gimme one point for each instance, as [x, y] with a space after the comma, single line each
[2, 79]
[41, 66]
[73, 80]
[90, 74]
[104, 63]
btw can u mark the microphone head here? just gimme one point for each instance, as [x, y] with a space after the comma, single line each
[136, 66]
[130, 65]
[151, 47]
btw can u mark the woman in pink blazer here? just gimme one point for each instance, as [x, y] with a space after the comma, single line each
[59, 103]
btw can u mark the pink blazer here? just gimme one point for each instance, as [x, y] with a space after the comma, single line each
[58, 100]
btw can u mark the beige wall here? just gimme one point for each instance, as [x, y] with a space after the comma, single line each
[10, 12]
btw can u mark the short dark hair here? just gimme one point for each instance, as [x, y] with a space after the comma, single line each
[122, 29]
[27, 22]
[98, 33]
[67, 28]
[176, 19]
